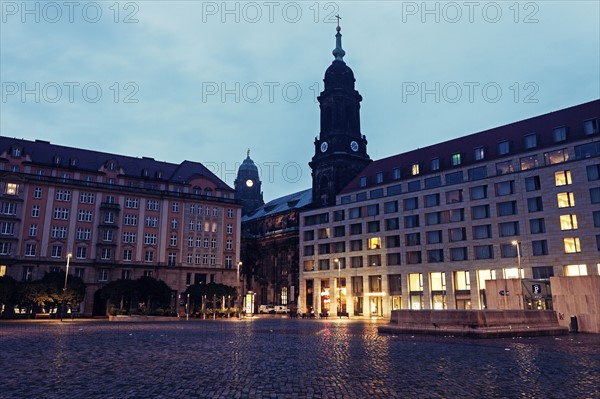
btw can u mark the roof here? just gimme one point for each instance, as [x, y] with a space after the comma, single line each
[514, 133]
[294, 201]
[44, 153]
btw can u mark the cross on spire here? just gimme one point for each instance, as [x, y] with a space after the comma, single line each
[338, 20]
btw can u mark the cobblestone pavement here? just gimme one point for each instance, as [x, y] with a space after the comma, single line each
[285, 358]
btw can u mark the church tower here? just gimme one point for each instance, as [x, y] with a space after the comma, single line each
[247, 185]
[340, 149]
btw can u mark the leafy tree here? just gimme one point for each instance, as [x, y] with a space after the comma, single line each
[154, 293]
[126, 294]
[74, 294]
[32, 295]
[210, 290]
[119, 292]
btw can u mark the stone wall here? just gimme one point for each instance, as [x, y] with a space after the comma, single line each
[577, 296]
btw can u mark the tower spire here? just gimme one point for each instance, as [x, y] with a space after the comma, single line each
[338, 52]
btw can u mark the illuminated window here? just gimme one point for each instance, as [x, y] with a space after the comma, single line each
[565, 200]
[512, 272]
[571, 245]
[456, 159]
[437, 281]
[415, 169]
[479, 153]
[562, 178]
[374, 243]
[2, 270]
[462, 280]
[557, 156]
[575, 270]
[568, 222]
[11, 189]
[415, 282]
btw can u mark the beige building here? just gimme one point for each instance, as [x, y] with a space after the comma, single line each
[426, 229]
[114, 217]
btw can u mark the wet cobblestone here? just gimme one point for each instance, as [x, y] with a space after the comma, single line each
[285, 358]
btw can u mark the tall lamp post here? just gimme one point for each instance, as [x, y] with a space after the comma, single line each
[239, 265]
[62, 307]
[339, 288]
[518, 246]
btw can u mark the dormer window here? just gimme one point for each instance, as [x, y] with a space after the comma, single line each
[379, 177]
[414, 169]
[503, 147]
[73, 162]
[479, 153]
[112, 166]
[559, 134]
[591, 126]
[158, 174]
[456, 159]
[396, 174]
[531, 141]
[363, 181]
[16, 152]
[435, 164]
[145, 172]
[57, 159]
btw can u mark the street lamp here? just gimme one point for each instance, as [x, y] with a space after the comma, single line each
[517, 245]
[239, 265]
[339, 287]
[62, 308]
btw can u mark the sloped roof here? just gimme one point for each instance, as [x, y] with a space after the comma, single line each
[542, 125]
[283, 204]
[44, 153]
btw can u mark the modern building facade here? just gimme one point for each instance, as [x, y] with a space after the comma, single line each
[117, 216]
[427, 228]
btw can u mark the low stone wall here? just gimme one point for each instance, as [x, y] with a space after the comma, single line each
[577, 296]
[475, 323]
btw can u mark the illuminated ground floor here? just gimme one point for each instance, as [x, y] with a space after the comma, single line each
[373, 292]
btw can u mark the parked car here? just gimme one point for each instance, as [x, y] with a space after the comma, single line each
[266, 309]
[281, 309]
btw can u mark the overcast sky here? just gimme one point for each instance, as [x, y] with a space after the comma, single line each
[204, 81]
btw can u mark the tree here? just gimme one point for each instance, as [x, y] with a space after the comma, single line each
[154, 293]
[127, 294]
[74, 294]
[210, 290]
[119, 292]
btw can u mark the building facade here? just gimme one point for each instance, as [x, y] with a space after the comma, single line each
[427, 228]
[117, 216]
[270, 239]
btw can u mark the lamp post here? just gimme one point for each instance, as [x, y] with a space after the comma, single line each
[517, 245]
[239, 265]
[339, 287]
[62, 307]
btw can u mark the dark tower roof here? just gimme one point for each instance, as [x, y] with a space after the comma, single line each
[339, 75]
[248, 167]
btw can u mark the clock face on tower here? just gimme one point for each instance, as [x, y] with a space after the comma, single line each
[249, 183]
[354, 146]
[324, 146]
